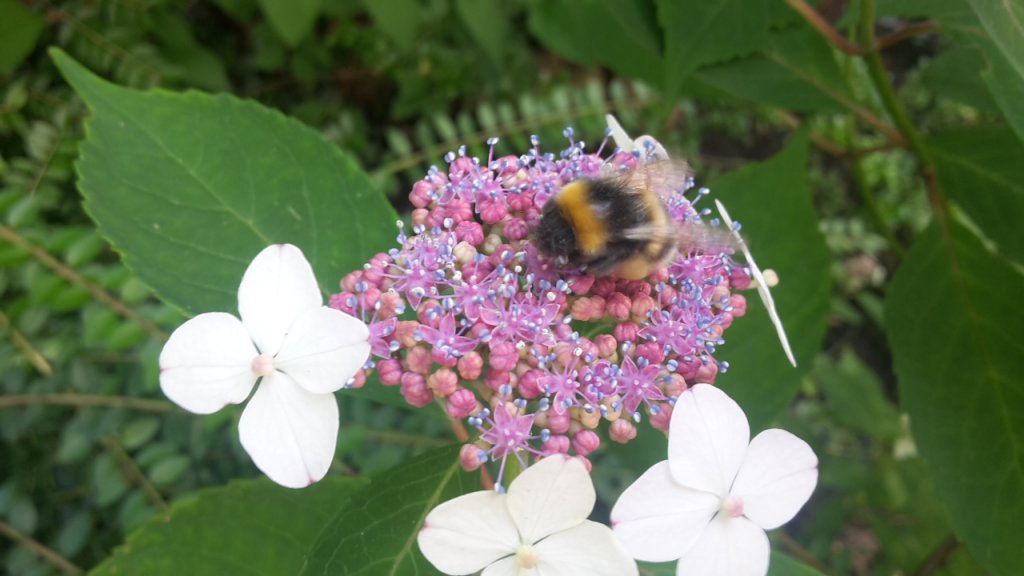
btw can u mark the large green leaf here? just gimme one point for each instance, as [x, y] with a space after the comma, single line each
[247, 527]
[292, 20]
[190, 187]
[795, 70]
[954, 74]
[981, 169]
[1005, 85]
[1004, 22]
[698, 32]
[375, 534]
[773, 202]
[623, 36]
[955, 323]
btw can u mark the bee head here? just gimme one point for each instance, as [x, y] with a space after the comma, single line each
[555, 237]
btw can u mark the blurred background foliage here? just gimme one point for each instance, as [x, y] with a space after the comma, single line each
[90, 449]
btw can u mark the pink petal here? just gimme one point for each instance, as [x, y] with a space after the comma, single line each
[323, 349]
[289, 433]
[277, 287]
[707, 439]
[777, 478]
[464, 535]
[552, 495]
[589, 549]
[729, 547]
[762, 286]
[657, 519]
[206, 363]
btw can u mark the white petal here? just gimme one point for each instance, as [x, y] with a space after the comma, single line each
[507, 567]
[323, 349]
[277, 287]
[777, 478]
[288, 432]
[657, 519]
[552, 495]
[622, 140]
[463, 535]
[762, 285]
[707, 437]
[590, 549]
[729, 547]
[207, 363]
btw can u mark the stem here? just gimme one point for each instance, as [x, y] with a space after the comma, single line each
[34, 356]
[48, 555]
[73, 277]
[821, 25]
[86, 401]
[880, 77]
[132, 472]
[938, 558]
[908, 31]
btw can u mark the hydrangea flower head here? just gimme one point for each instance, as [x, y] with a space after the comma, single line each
[293, 349]
[539, 527]
[709, 504]
[467, 312]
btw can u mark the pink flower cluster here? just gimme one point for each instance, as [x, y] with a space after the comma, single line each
[467, 313]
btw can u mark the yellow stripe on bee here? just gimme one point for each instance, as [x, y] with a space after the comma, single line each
[574, 202]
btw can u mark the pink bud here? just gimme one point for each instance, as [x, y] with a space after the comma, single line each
[492, 211]
[358, 380]
[420, 195]
[585, 442]
[470, 457]
[586, 463]
[439, 356]
[390, 302]
[415, 390]
[739, 279]
[460, 211]
[739, 304]
[516, 229]
[461, 404]
[419, 216]
[626, 332]
[581, 284]
[606, 345]
[652, 351]
[443, 382]
[706, 373]
[556, 444]
[559, 423]
[405, 333]
[663, 418]
[418, 360]
[642, 304]
[495, 379]
[617, 306]
[504, 356]
[530, 384]
[470, 365]
[676, 386]
[725, 319]
[622, 431]
[390, 372]
[603, 286]
[470, 232]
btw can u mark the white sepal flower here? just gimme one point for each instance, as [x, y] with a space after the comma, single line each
[300, 351]
[539, 527]
[644, 143]
[762, 284]
[710, 503]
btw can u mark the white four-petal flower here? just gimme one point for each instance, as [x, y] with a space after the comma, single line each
[300, 350]
[709, 504]
[539, 527]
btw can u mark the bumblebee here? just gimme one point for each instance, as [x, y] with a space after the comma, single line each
[618, 225]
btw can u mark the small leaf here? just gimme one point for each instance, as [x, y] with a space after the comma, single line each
[772, 201]
[376, 532]
[981, 169]
[246, 527]
[954, 320]
[854, 397]
[487, 22]
[1005, 85]
[190, 187]
[292, 20]
[19, 31]
[953, 74]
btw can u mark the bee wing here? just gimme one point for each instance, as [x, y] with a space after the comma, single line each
[762, 285]
[699, 236]
[663, 177]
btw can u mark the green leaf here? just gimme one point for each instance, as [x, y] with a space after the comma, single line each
[1005, 85]
[699, 32]
[780, 565]
[854, 397]
[620, 35]
[398, 19]
[376, 532]
[292, 20]
[487, 22]
[246, 527]
[955, 323]
[1004, 22]
[796, 70]
[19, 31]
[981, 169]
[190, 187]
[772, 201]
